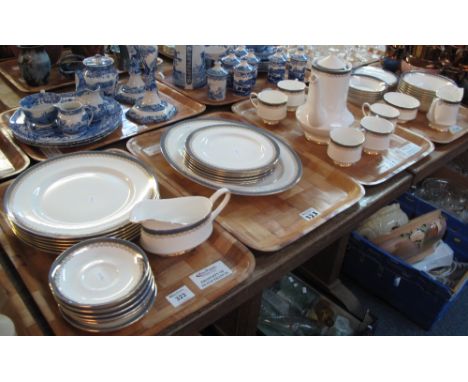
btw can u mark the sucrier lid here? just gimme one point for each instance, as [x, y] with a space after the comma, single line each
[98, 61]
[332, 64]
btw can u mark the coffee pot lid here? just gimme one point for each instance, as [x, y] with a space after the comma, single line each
[332, 64]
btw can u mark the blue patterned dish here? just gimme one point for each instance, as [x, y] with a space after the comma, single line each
[53, 137]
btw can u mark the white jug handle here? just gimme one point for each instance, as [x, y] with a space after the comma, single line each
[431, 114]
[160, 76]
[215, 196]
[366, 106]
[254, 99]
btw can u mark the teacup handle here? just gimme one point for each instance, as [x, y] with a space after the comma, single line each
[254, 99]
[366, 109]
[216, 196]
[92, 114]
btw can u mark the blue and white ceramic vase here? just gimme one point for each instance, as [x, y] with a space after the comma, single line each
[298, 64]
[189, 70]
[243, 78]
[217, 81]
[34, 64]
[99, 73]
[263, 52]
[253, 61]
[150, 108]
[277, 67]
[229, 62]
[240, 51]
[134, 89]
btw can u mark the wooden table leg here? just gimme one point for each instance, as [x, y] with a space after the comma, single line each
[241, 321]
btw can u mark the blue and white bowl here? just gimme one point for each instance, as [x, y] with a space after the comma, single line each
[40, 109]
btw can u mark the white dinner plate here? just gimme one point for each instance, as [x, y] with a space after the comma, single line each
[366, 84]
[426, 81]
[79, 195]
[372, 71]
[98, 272]
[232, 148]
[286, 174]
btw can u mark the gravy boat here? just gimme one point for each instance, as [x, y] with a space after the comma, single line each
[174, 226]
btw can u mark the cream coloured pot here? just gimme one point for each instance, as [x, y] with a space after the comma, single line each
[172, 227]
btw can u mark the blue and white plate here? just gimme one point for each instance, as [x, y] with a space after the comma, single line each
[24, 132]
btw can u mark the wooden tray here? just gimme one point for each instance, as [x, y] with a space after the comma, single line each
[11, 71]
[421, 126]
[15, 155]
[170, 274]
[16, 309]
[370, 170]
[201, 94]
[186, 107]
[265, 223]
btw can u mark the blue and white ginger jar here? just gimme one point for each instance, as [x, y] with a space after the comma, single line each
[253, 61]
[229, 62]
[277, 67]
[217, 82]
[298, 65]
[100, 73]
[243, 78]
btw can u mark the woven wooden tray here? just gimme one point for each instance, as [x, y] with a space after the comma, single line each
[406, 148]
[201, 94]
[16, 309]
[15, 155]
[265, 223]
[11, 71]
[421, 126]
[186, 108]
[170, 274]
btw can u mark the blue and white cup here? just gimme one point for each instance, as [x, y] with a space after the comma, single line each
[40, 109]
[74, 117]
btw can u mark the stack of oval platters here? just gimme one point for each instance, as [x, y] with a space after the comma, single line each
[363, 88]
[102, 284]
[422, 86]
[389, 78]
[221, 153]
[64, 200]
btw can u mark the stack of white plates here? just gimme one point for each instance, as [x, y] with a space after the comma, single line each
[422, 86]
[389, 78]
[102, 284]
[231, 154]
[363, 88]
[62, 201]
[243, 158]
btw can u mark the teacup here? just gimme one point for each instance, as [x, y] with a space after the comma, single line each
[407, 105]
[295, 91]
[345, 147]
[444, 108]
[271, 105]
[40, 109]
[381, 110]
[73, 117]
[377, 132]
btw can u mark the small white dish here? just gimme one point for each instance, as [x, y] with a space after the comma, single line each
[345, 147]
[378, 132]
[366, 84]
[407, 105]
[388, 77]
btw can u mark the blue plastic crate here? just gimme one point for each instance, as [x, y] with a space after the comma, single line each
[414, 293]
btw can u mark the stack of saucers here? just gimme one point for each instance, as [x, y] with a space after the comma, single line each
[231, 154]
[363, 88]
[422, 86]
[67, 199]
[103, 285]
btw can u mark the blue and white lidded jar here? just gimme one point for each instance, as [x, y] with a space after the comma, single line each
[298, 65]
[189, 71]
[243, 78]
[100, 73]
[253, 61]
[229, 62]
[277, 67]
[217, 81]
[240, 51]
